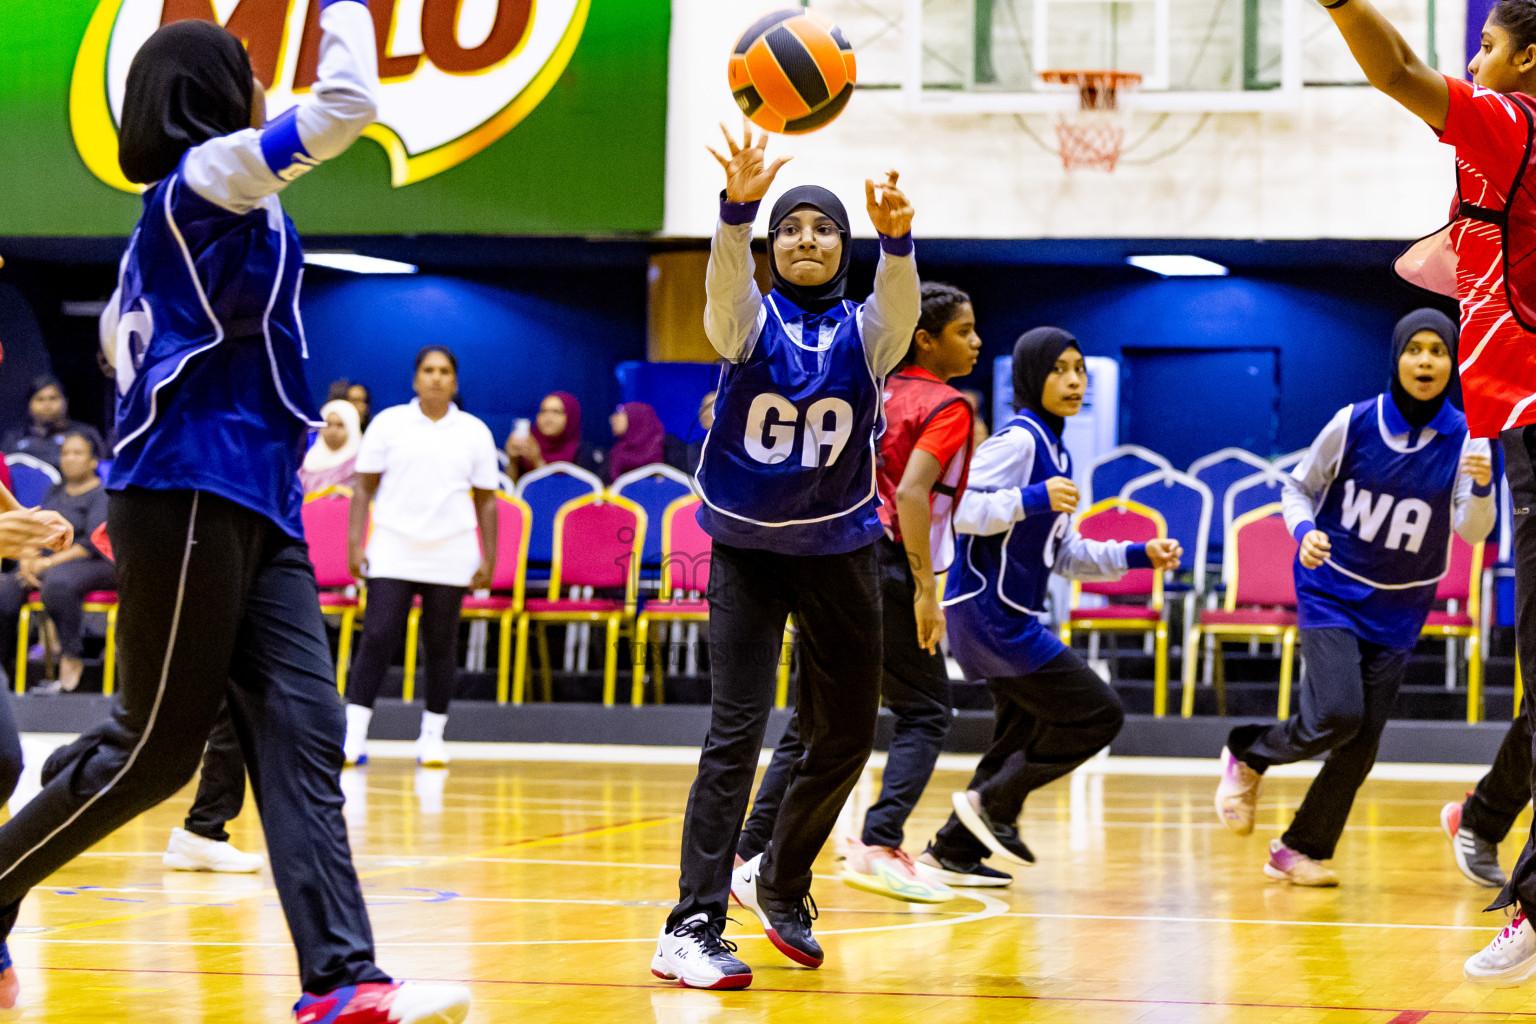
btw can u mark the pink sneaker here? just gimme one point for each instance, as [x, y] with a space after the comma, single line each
[385, 1003]
[1237, 795]
[886, 871]
[1289, 865]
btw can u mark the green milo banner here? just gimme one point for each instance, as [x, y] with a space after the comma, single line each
[495, 116]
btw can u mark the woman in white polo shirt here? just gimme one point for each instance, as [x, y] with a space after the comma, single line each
[429, 470]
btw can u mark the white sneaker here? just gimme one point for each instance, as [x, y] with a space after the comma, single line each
[696, 955]
[431, 752]
[1237, 795]
[191, 852]
[354, 749]
[1508, 960]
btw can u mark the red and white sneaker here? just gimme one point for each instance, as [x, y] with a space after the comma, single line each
[1507, 961]
[385, 1003]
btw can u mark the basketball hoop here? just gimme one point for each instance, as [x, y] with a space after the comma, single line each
[1090, 138]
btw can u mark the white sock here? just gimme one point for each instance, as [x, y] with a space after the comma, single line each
[358, 718]
[432, 725]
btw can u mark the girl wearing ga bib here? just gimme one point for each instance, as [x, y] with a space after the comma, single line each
[787, 477]
[1373, 505]
[1015, 526]
[924, 453]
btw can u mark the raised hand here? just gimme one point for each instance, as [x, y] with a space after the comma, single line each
[889, 212]
[747, 180]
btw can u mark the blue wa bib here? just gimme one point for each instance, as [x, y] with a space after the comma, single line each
[1388, 512]
[789, 464]
[1389, 518]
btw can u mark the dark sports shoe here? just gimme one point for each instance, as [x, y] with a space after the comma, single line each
[962, 874]
[1477, 858]
[1001, 839]
[694, 954]
[787, 923]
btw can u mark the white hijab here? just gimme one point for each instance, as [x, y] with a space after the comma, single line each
[320, 456]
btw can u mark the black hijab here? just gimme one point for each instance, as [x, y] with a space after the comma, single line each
[1416, 411]
[822, 297]
[189, 82]
[1034, 357]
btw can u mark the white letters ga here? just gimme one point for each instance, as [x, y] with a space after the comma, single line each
[773, 422]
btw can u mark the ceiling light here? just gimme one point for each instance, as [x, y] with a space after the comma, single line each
[1178, 266]
[358, 264]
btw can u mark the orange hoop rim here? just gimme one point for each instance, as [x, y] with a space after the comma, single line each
[1101, 77]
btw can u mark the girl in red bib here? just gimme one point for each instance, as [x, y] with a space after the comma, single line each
[1479, 258]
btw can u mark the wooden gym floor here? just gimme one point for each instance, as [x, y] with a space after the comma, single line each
[542, 886]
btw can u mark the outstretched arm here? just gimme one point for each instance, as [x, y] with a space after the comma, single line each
[732, 304]
[238, 171]
[1389, 62]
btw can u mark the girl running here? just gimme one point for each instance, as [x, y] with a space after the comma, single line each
[1478, 258]
[924, 453]
[1373, 505]
[788, 482]
[217, 595]
[1053, 711]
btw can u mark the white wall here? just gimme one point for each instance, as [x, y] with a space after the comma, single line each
[1349, 163]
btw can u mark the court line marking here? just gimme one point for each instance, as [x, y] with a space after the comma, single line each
[1255, 921]
[521, 844]
[990, 908]
[619, 754]
[994, 996]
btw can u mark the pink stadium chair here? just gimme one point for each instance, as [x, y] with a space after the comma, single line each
[505, 604]
[1261, 600]
[1121, 519]
[1460, 591]
[685, 550]
[598, 542]
[325, 531]
[95, 601]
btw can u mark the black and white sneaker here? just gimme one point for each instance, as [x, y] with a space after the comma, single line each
[1477, 858]
[1002, 839]
[787, 923]
[974, 875]
[694, 953]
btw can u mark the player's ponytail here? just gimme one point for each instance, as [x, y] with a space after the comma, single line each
[941, 304]
[1518, 18]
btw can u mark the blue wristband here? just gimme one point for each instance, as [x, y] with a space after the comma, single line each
[737, 214]
[1302, 529]
[902, 246]
[1034, 500]
[1482, 490]
[1136, 557]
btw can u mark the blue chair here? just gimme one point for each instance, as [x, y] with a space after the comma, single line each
[1250, 493]
[30, 478]
[1219, 471]
[545, 490]
[1119, 466]
[1186, 506]
[654, 488]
